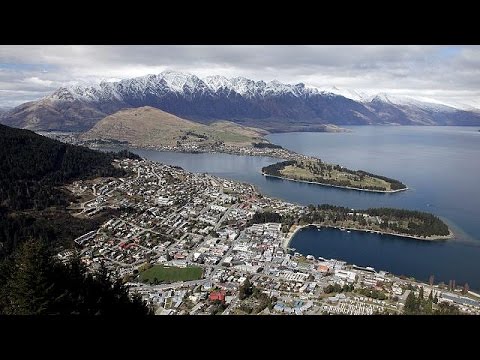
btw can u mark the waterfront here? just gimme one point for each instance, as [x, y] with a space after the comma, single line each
[439, 164]
[397, 255]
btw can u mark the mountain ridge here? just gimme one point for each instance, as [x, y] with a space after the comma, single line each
[273, 105]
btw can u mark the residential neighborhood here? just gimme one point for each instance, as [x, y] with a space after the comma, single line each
[187, 244]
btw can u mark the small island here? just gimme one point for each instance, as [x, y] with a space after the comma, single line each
[315, 171]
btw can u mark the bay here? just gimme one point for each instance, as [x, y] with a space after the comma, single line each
[440, 165]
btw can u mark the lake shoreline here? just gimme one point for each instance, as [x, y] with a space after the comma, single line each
[292, 234]
[337, 186]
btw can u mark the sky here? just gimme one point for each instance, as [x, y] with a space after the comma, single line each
[448, 74]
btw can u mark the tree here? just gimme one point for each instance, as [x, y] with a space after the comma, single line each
[37, 284]
[466, 288]
[29, 288]
[447, 309]
[427, 309]
[328, 289]
[410, 304]
[245, 289]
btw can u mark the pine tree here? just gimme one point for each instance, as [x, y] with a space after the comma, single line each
[411, 304]
[34, 284]
[428, 307]
[29, 287]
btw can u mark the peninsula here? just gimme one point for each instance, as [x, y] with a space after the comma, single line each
[151, 128]
[315, 171]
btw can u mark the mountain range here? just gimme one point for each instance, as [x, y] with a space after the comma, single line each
[273, 106]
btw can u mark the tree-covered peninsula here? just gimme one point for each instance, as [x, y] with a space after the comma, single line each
[401, 222]
[316, 171]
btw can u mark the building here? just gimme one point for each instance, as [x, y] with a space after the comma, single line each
[323, 268]
[349, 276]
[218, 295]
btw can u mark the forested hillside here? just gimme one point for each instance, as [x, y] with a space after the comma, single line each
[32, 170]
[32, 282]
[34, 223]
[32, 165]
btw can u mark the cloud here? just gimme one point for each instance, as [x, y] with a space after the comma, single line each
[36, 81]
[445, 72]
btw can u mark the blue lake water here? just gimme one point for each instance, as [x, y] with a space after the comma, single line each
[397, 255]
[440, 165]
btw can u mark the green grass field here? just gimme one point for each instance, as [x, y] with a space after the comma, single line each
[298, 173]
[171, 274]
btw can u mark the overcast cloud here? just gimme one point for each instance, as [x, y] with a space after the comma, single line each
[447, 73]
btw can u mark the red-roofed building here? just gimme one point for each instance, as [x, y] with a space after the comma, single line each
[323, 268]
[217, 295]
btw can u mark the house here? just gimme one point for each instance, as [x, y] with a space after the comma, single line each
[217, 295]
[323, 268]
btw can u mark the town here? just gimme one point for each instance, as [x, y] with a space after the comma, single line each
[264, 148]
[189, 244]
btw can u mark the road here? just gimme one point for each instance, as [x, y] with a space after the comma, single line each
[217, 225]
[174, 285]
[231, 306]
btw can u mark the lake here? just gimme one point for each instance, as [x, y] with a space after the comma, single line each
[400, 256]
[440, 165]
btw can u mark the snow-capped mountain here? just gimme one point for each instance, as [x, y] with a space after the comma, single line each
[270, 105]
[420, 101]
[357, 95]
[179, 83]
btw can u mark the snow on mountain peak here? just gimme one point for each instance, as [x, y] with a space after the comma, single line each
[187, 84]
[216, 82]
[177, 81]
[382, 97]
[352, 94]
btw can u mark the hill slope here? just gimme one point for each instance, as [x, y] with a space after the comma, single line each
[32, 170]
[273, 106]
[147, 126]
[48, 115]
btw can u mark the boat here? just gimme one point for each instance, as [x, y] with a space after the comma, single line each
[348, 231]
[342, 229]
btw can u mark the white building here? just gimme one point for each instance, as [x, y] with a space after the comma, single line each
[349, 276]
